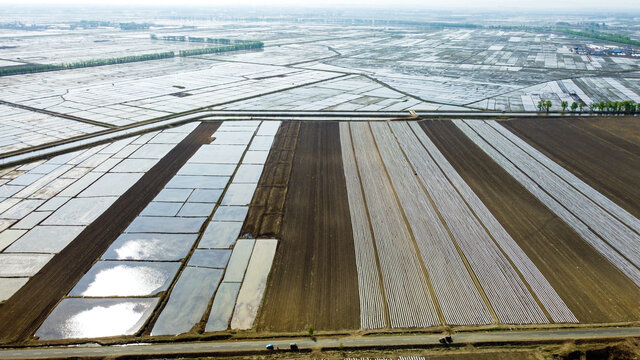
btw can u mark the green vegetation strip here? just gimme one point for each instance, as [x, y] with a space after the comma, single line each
[35, 68]
[214, 50]
[195, 39]
[613, 37]
[606, 36]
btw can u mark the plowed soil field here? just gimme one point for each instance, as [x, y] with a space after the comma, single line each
[625, 128]
[313, 282]
[267, 206]
[592, 288]
[608, 163]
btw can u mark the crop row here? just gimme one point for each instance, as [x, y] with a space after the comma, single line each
[604, 225]
[556, 308]
[430, 232]
[507, 294]
[459, 298]
[407, 293]
[371, 299]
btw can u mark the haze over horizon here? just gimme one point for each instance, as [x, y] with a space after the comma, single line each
[541, 5]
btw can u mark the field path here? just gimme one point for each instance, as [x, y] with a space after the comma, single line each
[241, 348]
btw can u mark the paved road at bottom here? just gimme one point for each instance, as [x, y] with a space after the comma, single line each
[352, 342]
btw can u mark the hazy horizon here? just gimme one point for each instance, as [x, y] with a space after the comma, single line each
[612, 6]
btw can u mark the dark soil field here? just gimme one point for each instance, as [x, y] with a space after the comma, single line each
[624, 128]
[22, 314]
[313, 281]
[606, 162]
[593, 289]
[266, 209]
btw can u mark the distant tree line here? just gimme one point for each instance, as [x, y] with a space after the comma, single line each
[544, 105]
[88, 24]
[605, 107]
[245, 45]
[135, 26]
[613, 37]
[17, 25]
[26, 69]
[615, 107]
[591, 30]
[35, 68]
[196, 39]
[427, 24]
[591, 33]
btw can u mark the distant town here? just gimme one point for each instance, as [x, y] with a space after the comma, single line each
[603, 50]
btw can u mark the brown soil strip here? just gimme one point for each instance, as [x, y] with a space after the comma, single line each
[23, 313]
[313, 282]
[592, 288]
[267, 206]
[626, 129]
[605, 163]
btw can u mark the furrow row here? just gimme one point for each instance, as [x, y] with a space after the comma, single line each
[554, 193]
[618, 212]
[408, 297]
[508, 295]
[544, 291]
[459, 299]
[371, 301]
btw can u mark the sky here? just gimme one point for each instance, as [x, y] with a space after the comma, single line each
[610, 5]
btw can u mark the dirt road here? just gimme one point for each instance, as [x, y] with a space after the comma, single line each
[203, 348]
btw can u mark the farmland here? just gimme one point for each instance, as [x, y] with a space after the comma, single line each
[428, 227]
[551, 244]
[602, 223]
[343, 179]
[607, 163]
[315, 268]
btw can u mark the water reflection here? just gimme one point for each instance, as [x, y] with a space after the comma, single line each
[164, 247]
[121, 278]
[141, 249]
[125, 280]
[118, 319]
[87, 317]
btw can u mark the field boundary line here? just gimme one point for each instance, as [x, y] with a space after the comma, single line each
[57, 114]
